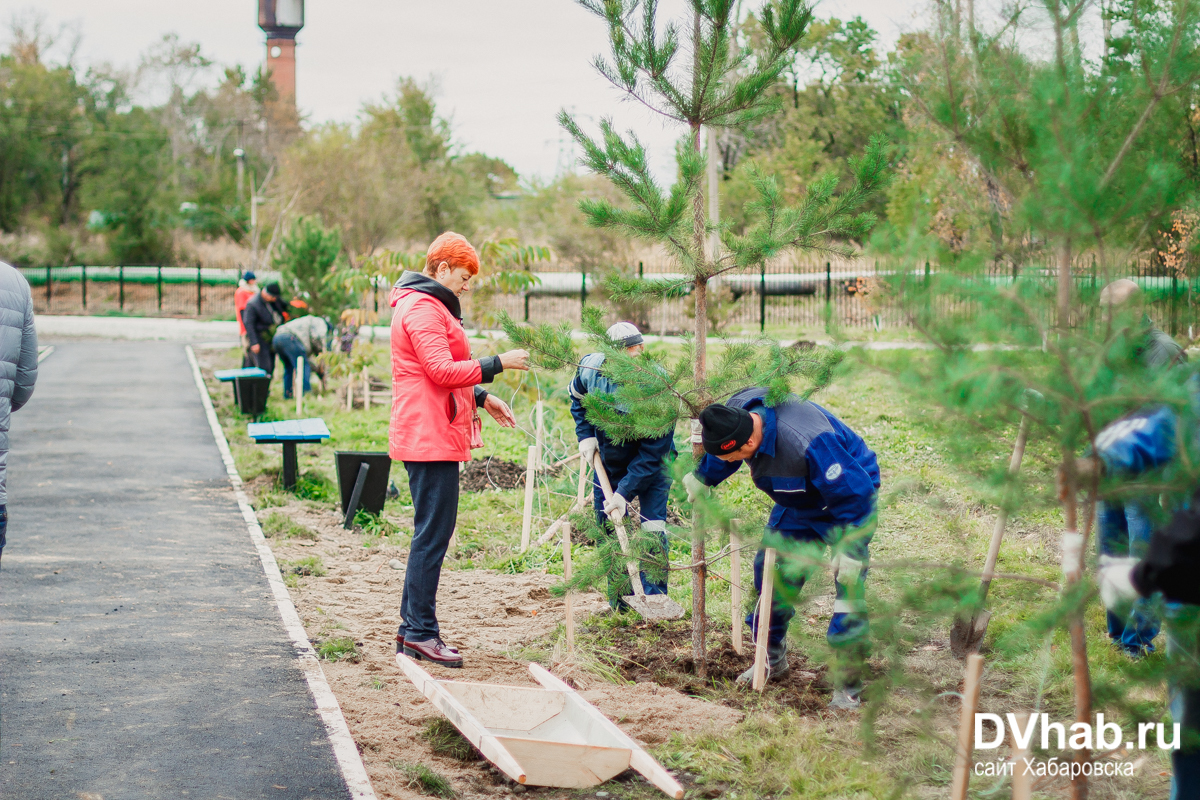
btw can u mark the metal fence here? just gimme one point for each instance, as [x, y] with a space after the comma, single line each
[137, 290]
[779, 298]
[862, 294]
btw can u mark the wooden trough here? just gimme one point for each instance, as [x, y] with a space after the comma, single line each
[548, 736]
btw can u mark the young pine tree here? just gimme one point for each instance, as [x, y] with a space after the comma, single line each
[697, 73]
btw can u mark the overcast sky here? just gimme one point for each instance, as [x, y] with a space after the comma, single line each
[502, 68]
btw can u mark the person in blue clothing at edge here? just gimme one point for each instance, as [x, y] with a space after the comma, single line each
[824, 480]
[1124, 526]
[636, 469]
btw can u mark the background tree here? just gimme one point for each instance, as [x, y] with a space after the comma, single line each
[307, 255]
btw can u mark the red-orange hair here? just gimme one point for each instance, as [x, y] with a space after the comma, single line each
[455, 250]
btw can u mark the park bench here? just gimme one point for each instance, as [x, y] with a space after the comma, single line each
[251, 385]
[289, 433]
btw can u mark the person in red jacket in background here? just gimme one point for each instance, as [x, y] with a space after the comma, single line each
[435, 423]
[246, 288]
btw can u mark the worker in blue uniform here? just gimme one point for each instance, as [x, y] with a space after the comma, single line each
[1124, 525]
[1163, 559]
[636, 469]
[824, 480]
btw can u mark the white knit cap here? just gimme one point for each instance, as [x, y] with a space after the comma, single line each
[625, 334]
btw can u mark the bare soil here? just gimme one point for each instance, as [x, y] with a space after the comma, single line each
[491, 473]
[665, 657]
[489, 616]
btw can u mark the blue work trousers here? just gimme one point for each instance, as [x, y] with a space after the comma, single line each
[652, 500]
[434, 489]
[1124, 530]
[290, 349]
[848, 623]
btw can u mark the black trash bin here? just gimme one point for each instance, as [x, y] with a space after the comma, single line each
[251, 395]
[375, 485]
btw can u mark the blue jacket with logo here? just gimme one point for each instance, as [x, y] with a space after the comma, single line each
[820, 473]
[638, 463]
[1139, 441]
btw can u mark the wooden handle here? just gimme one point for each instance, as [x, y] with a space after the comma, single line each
[606, 487]
[764, 620]
[966, 725]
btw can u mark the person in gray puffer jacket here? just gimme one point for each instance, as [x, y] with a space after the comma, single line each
[18, 366]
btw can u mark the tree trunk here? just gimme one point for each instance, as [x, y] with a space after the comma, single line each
[699, 376]
[1072, 573]
[1064, 287]
[700, 293]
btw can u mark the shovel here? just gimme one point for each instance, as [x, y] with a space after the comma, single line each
[966, 635]
[650, 606]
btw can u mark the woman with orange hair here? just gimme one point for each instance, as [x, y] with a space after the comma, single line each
[435, 423]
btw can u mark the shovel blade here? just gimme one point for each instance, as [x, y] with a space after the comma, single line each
[654, 606]
[966, 636]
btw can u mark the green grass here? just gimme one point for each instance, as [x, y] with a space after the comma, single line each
[341, 648]
[301, 567]
[445, 740]
[281, 525]
[423, 779]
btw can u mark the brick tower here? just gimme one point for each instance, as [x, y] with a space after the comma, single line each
[282, 20]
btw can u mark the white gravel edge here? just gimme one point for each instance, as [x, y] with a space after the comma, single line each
[344, 748]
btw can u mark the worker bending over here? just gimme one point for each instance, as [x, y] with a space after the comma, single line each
[823, 479]
[635, 469]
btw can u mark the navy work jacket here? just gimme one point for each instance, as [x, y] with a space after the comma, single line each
[640, 463]
[820, 473]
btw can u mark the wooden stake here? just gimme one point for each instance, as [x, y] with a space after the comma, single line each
[1022, 784]
[764, 620]
[530, 479]
[350, 394]
[735, 588]
[539, 411]
[366, 379]
[966, 726]
[568, 601]
[298, 387]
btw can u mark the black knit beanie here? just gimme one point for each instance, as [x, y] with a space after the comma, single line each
[725, 429]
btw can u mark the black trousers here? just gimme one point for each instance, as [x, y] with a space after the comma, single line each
[264, 359]
[434, 489]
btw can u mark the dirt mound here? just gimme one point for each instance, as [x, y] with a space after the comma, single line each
[662, 653]
[491, 473]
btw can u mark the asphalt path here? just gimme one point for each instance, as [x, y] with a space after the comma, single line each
[141, 652]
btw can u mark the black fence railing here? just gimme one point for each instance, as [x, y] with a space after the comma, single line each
[777, 299]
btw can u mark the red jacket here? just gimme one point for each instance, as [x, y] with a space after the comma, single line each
[241, 296]
[434, 378]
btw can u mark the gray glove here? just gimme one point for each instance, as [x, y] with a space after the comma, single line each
[588, 448]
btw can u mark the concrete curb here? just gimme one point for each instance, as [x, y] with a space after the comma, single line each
[344, 749]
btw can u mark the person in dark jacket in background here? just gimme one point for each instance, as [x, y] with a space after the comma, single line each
[18, 367]
[823, 479]
[1169, 567]
[635, 469]
[262, 314]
